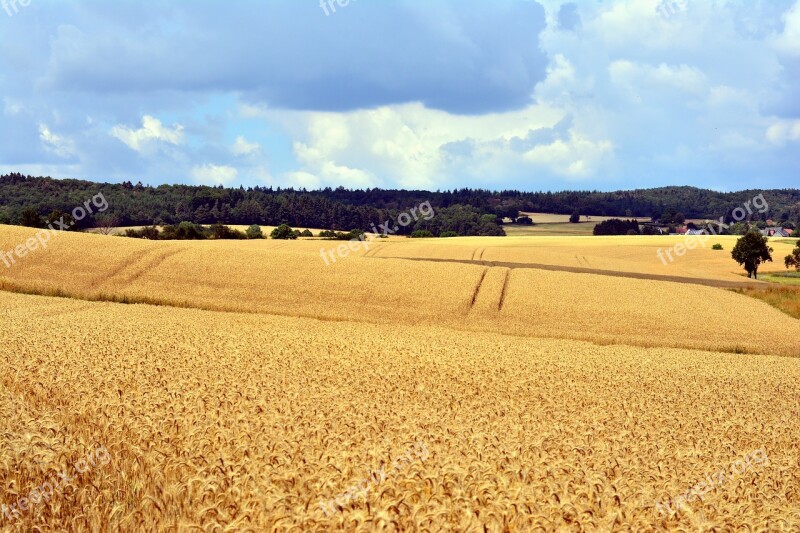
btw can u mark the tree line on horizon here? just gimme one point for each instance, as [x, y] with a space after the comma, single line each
[465, 211]
[30, 201]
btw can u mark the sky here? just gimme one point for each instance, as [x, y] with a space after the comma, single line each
[413, 94]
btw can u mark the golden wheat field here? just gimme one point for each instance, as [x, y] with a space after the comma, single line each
[291, 279]
[449, 385]
[231, 421]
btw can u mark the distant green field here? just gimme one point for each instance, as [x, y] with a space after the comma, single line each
[790, 278]
[550, 229]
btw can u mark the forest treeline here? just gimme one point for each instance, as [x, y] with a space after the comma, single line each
[464, 211]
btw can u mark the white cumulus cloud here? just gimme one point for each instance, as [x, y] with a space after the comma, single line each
[788, 41]
[413, 146]
[152, 130]
[242, 147]
[214, 174]
[784, 131]
[57, 144]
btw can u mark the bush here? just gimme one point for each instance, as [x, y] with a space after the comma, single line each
[62, 218]
[306, 233]
[449, 234]
[649, 229]
[739, 228]
[575, 217]
[225, 233]
[355, 234]
[185, 231]
[717, 246]
[616, 226]
[491, 230]
[31, 218]
[421, 234]
[525, 221]
[283, 233]
[254, 232]
[148, 232]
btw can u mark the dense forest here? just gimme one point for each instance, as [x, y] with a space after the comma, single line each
[464, 211]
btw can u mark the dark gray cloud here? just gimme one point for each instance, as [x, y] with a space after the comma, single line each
[451, 55]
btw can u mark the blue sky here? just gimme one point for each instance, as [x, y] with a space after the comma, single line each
[429, 94]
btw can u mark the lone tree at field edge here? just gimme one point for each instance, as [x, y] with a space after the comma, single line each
[750, 251]
[793, 259]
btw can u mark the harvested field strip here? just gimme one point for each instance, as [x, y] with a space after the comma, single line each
[613, 273]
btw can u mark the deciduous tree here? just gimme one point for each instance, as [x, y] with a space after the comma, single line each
[750, 251]
[793, 260]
